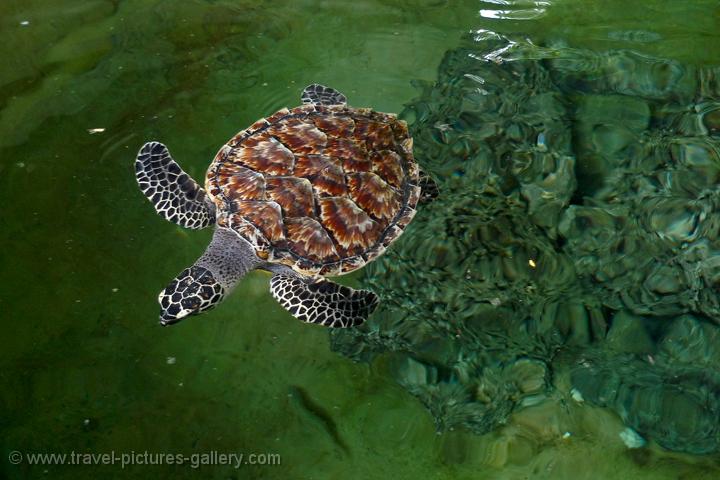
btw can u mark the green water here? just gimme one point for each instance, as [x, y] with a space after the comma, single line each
[85, 367]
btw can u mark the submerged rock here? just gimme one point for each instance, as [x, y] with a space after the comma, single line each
[578, 213]
[631, 438]
[671, 396]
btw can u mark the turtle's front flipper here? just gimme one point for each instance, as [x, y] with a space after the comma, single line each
[321, 95]
[322, 301]
[175, 195]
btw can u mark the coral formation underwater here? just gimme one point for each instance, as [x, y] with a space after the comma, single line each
[577, 228]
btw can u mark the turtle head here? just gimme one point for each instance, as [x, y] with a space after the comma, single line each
[190, 293]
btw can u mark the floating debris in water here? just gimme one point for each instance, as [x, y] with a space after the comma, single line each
[170, 360]
[25, 23]
[93, 131]
[89, 424]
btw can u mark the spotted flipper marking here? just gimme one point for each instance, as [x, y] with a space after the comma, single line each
[321, 95]
[322, 301]
[173, 193]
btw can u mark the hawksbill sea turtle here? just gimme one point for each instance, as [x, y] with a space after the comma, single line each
[315, 191]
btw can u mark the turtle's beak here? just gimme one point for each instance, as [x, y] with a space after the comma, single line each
[167, 318]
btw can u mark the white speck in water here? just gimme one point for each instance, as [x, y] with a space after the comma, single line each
[264, 84]
[25, 23]
[93, 131]
[171, 360]
[531, 262]
[86, 422]
[495, 302]
[566, 435]
[20, 164]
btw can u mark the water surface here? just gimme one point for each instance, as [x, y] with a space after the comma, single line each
[84, 364]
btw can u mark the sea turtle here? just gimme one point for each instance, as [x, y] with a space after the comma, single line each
[315, 191]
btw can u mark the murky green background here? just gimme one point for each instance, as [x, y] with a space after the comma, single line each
[85, 367]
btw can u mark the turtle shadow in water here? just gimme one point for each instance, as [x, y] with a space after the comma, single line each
[318, 415]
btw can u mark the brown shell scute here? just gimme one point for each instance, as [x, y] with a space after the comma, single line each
[335, 127]
[243, 183]
[388, 165]
[349, 150]
[353, 229]
[311, 240]
[266, 216]
[374, 195]
[266, 154]
[294, 195]
[323, 189]
[325, 174]
[300, 137]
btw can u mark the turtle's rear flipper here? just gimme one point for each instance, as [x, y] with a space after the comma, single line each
[322, 301]
[428, 188]
[322, 95]
[175, 196]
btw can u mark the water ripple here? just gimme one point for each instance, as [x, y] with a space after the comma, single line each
[514, 10]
